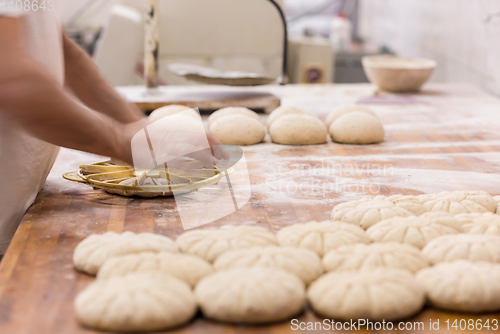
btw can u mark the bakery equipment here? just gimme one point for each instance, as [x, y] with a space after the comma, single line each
[113, 179]
[311, 60]
[214, 76]
[397, 74]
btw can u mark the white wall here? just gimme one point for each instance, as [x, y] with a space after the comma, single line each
[453, 32]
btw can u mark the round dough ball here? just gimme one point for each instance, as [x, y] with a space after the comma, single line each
[232, 111]
[470, 218]
[187, 268]
[170, 110]
[210, 243]
[282, 111]
[369, 211]
[251, 295]
[334, 115]
[321, 237]
[357, 128]
[459, 202]
[298, 130]
[303, 263]
[366, 257]
[238, 130]
[379, 294]
[93, 251]
[480, 223]
[416, 231]
[462, 286]
[471, 247]
[497, 201]
[136, 302]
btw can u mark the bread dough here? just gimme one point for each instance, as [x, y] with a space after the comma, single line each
[93, 251]
[462, 286]
[416, 231]
[282, 111]
[497, 201]
[469, 218]
[185, 267]
[369, 211]
[170, 110]
[334, 115]
[232, 111]
[357, 128]
[471, 247]
[366, 257]
[238, 130]
[480, 223]
[379, 294]
[210, 243]
[298, 130]
[136, 302]
[459, 202]
[303, 263]
[251, 295]
[321, 237]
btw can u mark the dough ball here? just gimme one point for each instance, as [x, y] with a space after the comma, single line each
[282, 111]
[471, 247]
[187, 268]
[334, 115]
[416, 231]
[298, 130]
[470, 218]
[170, 110]
[459, 202]
[462, 286]
[357, 128]
[136, 303]
[251, 295]
[369, 211]
[238, 130]
[93, 251]
[233, 111]
[497, 201]
[480, 223]
[303, 263]
[379, 294]
[367, 257]
[211, 243]
[321, 237]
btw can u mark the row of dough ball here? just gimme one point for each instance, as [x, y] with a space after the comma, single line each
[293, 126]
[231, 248]
[287, 125]
[368, 211]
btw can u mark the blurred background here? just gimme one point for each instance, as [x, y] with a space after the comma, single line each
[327, 38]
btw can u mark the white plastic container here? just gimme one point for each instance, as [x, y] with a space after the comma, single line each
[341, 33]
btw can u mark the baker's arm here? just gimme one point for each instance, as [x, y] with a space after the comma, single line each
[30, 97]
[84, 79]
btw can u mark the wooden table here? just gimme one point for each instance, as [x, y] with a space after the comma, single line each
[445, 138]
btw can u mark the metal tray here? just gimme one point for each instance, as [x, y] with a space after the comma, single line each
[108, 176]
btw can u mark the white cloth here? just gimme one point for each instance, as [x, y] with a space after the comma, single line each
[25, 161]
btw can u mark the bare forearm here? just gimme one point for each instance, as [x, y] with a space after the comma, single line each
[44, 110]
[84, 79]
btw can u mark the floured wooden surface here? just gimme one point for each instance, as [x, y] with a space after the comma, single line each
[446, 138]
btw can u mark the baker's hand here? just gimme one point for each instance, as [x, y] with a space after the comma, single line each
[172, 142]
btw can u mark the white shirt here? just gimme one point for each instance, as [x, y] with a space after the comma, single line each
[26, 161]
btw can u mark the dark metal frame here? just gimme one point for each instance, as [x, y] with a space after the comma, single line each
[284, 77]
